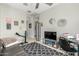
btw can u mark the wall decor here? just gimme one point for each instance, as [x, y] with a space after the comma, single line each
[62, 22]
[8, 26]
[8, 19]
[30, 25]
[22, 21]
[41, 24]
[16, 23]
[52, 20]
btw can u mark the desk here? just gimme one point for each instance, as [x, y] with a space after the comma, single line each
[50, 42]
[75, 42]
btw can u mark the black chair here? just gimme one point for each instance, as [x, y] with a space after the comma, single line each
[65, 45]
[25, 34]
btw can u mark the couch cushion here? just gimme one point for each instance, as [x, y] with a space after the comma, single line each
[7, 41]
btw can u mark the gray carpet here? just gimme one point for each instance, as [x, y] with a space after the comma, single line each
[35, 49]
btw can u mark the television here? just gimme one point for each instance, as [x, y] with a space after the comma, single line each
[50, 35]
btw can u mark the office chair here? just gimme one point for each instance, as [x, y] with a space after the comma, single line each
[65, 45]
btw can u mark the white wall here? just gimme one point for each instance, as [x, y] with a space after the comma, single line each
[14, 14]
[31, 31]
[70, 12]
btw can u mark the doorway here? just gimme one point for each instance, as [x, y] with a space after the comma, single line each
[34, 28]
[37, 30]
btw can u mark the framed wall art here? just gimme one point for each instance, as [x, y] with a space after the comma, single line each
[22, 21]
[62, 22]
[52, 20]
[8, 26]
[16, 23]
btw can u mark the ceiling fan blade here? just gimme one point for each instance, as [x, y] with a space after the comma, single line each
[37, 5]
[50, 4]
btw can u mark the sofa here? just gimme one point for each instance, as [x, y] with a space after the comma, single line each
[9, 41]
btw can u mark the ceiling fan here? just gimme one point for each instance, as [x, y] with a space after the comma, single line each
[37, 5]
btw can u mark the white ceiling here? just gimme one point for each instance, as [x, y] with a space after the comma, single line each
[31, 7]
